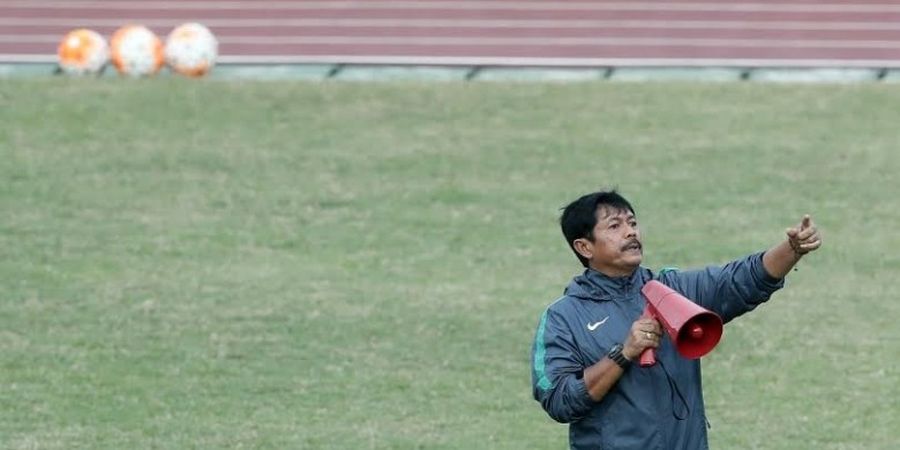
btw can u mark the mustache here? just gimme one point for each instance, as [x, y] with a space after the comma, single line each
[633, 242]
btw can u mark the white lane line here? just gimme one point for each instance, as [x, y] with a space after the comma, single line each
[504, 61]
[473, 23]
[458, 5]
[515, 41]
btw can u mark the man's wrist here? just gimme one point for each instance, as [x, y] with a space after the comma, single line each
[795, 247]
[616, 355]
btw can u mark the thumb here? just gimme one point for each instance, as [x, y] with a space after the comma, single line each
[805, 222]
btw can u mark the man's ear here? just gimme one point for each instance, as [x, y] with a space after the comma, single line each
[584, 247]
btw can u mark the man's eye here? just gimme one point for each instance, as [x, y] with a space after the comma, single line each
[614, 226]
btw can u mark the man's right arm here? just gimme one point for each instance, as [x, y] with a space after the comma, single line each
[566, 388]
[556, 370]
[600, 377]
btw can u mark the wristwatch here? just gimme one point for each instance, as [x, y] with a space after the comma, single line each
[616, 355]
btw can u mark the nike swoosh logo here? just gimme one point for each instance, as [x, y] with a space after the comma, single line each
[595, 325]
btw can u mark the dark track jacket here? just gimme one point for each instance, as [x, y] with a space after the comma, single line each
[660, 407]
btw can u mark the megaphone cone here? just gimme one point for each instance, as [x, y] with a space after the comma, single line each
[694, 330]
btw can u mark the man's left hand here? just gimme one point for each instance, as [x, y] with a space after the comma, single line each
[804, 237]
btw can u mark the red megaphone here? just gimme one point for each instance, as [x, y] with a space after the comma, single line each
[694, 330]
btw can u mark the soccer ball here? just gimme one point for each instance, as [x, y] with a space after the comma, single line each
[136, 51]
[82, 52]
[191, 49]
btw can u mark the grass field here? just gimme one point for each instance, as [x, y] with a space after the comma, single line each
[349, 266]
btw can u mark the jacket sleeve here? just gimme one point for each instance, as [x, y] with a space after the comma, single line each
[730, 290]
[557, 371]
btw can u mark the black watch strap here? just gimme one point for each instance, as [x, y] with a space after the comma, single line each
[616, 355]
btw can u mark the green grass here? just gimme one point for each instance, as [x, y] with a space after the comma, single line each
[286, 265]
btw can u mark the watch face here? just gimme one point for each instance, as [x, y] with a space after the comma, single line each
[616, 355]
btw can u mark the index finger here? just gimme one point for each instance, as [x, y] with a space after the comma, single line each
[806, 222]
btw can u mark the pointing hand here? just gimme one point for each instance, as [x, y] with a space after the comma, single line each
[804, 237]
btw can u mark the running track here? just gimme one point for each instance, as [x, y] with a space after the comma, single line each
[810, 33]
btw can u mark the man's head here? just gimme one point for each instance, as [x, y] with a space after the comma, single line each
[602, 230]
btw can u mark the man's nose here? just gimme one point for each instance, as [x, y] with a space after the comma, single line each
[630, 231]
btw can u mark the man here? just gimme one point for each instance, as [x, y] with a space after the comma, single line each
[585, 371]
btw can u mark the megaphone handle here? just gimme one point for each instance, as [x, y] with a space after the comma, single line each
[648, 356]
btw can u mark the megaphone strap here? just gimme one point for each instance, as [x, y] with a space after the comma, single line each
[675, 392]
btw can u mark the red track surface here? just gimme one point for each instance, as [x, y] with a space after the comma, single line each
[496, 32]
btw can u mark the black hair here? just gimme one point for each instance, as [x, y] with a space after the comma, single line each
[579, 218]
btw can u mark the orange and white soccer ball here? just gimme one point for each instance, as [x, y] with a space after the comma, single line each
[82, 52]
[191, 49]
[136, 51]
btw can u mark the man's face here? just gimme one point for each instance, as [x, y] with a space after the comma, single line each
[616, 249]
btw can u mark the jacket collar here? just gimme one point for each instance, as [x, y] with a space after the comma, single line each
[593, 285]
